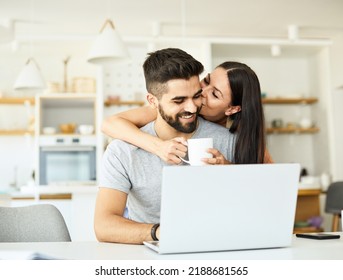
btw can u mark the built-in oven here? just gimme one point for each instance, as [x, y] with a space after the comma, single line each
[67, 160]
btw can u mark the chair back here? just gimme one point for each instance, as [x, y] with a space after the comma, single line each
[34, 223]
[334, 198]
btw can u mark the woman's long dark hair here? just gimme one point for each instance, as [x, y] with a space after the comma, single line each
[248, 124]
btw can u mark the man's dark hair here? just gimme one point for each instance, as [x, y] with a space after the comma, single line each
[168, 64]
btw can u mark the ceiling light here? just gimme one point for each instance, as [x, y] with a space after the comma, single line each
[30, 77]
[6, 31]
[275, 50]
[156, 29]
[293, 32]
[108, 47]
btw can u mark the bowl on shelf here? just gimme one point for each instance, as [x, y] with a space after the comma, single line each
[67, 128]
[305, 123]
[86, 129]
[49, 130]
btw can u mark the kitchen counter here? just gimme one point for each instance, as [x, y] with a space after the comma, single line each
[41, 191]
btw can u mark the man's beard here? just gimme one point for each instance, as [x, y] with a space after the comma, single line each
[175, 122]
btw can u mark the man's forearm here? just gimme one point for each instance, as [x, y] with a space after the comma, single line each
[121, 230]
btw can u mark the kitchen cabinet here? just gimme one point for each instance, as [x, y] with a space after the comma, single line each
[308, 206]
[52, 110]
[83, 209]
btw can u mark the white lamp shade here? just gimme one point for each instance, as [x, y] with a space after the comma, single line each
[108, 48]
[30, 77]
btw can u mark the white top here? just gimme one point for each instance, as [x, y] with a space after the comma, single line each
[301, 249]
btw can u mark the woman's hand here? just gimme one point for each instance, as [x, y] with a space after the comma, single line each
[218, 158]
[170, 150]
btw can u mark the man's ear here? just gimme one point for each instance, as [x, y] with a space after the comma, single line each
[232, 110]
[152, 100]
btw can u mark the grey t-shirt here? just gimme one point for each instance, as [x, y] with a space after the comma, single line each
[138, 173]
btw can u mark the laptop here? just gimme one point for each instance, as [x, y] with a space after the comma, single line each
[227, 207]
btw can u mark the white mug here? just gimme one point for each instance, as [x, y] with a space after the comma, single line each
[197, 148]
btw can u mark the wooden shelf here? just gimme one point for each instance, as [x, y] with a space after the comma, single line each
[284, 130]
[21, 100]
[289, 100]
[16, 132]
[308, 192]
[55, 196]
[46, 196]
[74, 135]
[123, 103]
[17, 100]
[307, 229]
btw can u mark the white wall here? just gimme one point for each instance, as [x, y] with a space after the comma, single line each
[336, 64]
[338, 134]
[16, 155]
[321, 83]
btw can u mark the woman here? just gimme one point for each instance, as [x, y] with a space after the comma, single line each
[231, 98]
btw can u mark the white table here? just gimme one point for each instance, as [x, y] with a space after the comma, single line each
[301, 249]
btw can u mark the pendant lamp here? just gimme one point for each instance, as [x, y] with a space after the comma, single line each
[108, 47]
[30, 77]
[6, 31]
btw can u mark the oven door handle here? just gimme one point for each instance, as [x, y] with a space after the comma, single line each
[67, 149]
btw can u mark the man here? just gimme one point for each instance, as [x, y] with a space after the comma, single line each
[131, 176]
